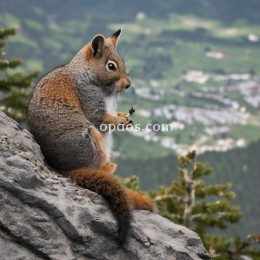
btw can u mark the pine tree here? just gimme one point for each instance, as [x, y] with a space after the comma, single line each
[203, 208]
[15, 87]
[132, 183]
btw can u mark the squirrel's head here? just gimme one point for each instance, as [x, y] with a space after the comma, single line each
[106, 64]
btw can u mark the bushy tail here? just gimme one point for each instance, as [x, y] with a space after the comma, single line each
[139, 201]
[110, 188]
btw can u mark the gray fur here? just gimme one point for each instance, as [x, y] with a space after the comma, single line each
[90, 92]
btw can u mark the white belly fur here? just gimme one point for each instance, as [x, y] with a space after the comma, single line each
[111, 109]
[111, 105]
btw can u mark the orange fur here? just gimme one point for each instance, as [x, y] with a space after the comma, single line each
[113, 120]
[60, 94]
[139, 200]
[87, 52]
[112, 41]
[99, 144]
[120, 85]
[121, 114]
[117, 120]
[109, 168]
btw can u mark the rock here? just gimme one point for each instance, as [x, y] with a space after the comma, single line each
[46, 216]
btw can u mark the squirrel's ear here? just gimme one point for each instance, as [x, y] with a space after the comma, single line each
[115, 37]
[97, 45]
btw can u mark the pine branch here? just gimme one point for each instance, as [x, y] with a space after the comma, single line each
[5, 64]
[219, 190]
[2, 44]
[16, 80]
[167, 196]
[7, 32]
[14, 88]
[251, 240]
[195, 216]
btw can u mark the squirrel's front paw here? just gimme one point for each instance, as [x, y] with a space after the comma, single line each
[125, 120]
[121, 120]
[121, 114]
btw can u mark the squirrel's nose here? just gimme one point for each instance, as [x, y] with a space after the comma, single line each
[128, 83]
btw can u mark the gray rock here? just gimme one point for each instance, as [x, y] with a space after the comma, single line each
[46, 216]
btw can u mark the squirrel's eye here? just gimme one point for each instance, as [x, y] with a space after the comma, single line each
[111, 66]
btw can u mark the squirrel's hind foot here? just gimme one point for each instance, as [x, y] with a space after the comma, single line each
[109, 168]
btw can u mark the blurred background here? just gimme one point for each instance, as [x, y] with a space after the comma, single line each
[194, 64]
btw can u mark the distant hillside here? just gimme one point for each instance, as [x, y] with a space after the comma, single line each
[117, 10]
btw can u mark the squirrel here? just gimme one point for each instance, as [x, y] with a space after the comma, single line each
[67, 108]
